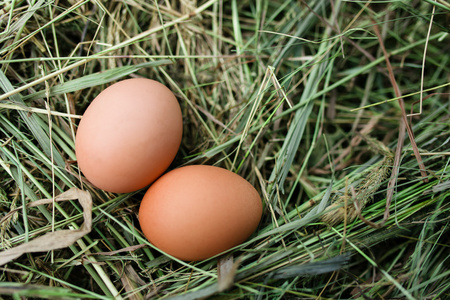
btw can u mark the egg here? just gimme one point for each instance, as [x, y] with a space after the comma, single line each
[196, 212]
[129, 135]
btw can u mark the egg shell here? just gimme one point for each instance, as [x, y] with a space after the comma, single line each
[196, 212]
[129, 135]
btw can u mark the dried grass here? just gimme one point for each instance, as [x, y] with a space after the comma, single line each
[286, 94]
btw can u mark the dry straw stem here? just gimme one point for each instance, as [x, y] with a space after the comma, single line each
[53, 240]
[404, 124]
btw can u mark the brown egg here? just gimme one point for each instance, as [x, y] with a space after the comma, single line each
[129, 135]
[196, 212]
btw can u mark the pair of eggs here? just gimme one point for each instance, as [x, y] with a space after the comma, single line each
[128, 137]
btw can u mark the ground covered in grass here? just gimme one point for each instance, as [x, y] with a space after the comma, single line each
[337, 112]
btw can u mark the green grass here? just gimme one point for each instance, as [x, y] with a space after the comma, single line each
[276, 91]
